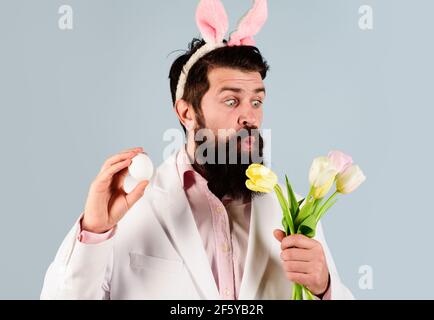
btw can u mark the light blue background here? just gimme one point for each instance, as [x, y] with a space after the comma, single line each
[69, 99]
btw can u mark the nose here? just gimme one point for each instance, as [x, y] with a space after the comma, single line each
[247, 116]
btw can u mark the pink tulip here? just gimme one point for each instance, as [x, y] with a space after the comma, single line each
[340, 160]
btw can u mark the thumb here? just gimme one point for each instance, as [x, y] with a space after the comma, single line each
[136, 193]
[279, 235]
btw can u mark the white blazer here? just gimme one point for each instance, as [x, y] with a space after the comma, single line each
[157, 253]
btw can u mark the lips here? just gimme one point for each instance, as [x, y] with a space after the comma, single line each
[248, 142]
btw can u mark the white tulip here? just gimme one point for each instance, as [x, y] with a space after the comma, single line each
[321, 176]
[350, 179]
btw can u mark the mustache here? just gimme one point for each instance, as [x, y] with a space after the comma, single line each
[226, 147]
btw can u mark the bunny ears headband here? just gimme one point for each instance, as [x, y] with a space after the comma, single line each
[212, 22]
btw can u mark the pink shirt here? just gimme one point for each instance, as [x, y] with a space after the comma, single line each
[222, 225]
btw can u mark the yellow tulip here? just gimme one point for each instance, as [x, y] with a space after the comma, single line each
[261, 178]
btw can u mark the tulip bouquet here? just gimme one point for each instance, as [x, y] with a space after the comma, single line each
[302, 216]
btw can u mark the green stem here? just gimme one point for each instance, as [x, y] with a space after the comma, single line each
[310, 199]
[285, 208]
[297, 292]
[294, 292]
[309, 294]
[328, 200]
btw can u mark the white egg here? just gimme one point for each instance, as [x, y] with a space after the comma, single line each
[141, 167]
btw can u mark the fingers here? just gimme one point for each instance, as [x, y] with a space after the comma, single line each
[136, 193]
[294, 247]
[116, 159]
[303, 261]
[279, 235]
[301, 278]
[126, 154]
[119, 178]
[298, 267]
[299, 241]
[296, 240]
[108, 173]
[139, 149]
[295, 254]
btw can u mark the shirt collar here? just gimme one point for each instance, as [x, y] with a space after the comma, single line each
[186, 172]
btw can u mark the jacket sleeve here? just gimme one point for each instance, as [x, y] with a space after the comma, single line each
[79, 270]
[338, 290]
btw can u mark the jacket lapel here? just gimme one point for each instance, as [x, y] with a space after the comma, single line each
[257, 248]
[173, 208]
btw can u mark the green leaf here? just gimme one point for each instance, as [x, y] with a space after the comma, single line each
[293, 204]
[301, 202]
[285, 226]
[285, 209]
[316, 204]
[308, 226]
[306, 210]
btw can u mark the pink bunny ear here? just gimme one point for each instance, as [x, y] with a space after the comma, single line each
[250, 25]
[212, 20]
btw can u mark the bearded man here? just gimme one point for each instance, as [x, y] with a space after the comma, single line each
[195, 231]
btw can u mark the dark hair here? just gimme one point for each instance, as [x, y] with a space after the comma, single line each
[244, 58]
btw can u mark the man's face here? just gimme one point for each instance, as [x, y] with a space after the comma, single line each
[231, 110]
[233, 101]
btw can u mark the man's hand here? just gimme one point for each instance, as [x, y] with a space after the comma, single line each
[107, 201]
[304, 261]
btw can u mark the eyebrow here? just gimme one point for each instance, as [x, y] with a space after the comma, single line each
[238, 90]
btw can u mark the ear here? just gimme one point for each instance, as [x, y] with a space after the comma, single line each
[250, 25]
[212, 20]
[185, 114]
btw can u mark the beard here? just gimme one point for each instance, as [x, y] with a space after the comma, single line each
[223, 163]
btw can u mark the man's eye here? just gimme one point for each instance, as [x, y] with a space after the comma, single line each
[257, 103]
[231, 102]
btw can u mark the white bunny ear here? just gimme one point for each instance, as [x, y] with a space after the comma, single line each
[212, 20]
[250, 25]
